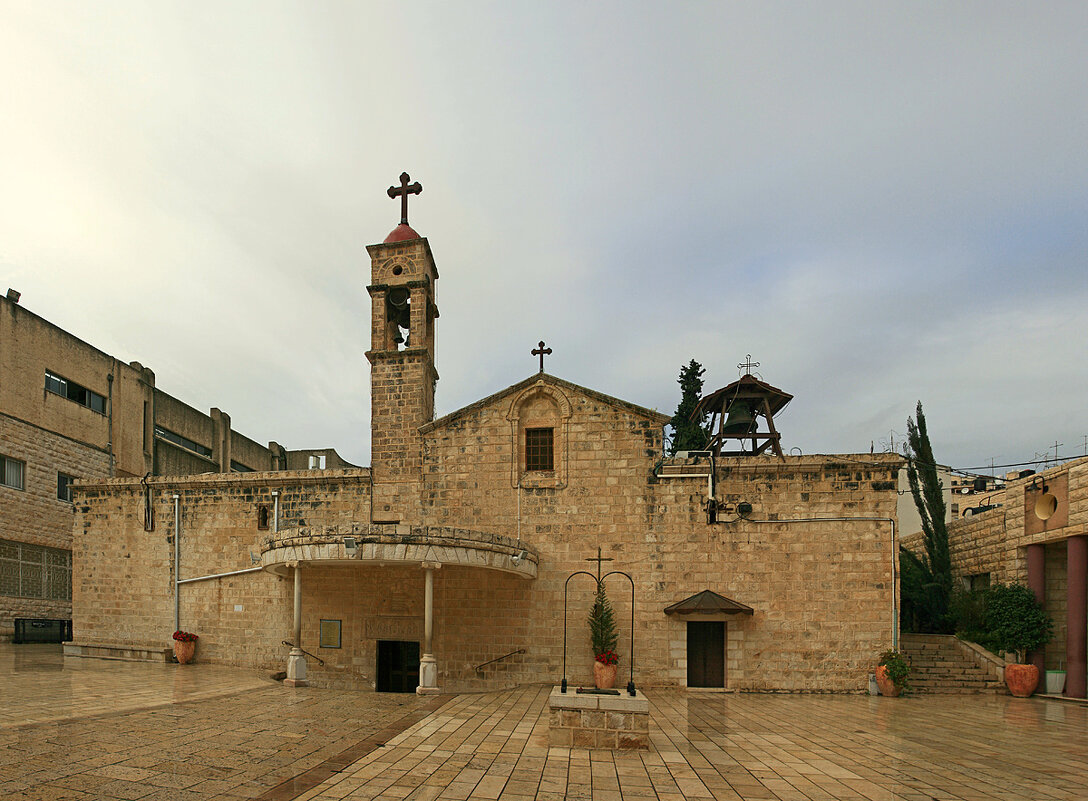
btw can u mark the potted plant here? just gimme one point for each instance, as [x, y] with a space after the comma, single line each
[602, 635]
[892, 672]
[1018, 624]
[184, 646]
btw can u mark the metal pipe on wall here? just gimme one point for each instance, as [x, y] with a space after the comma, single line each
[177, 562]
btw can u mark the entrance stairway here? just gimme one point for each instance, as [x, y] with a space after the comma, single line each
[941, 664]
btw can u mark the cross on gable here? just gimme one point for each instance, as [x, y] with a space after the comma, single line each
[541, 351]
[403, 191]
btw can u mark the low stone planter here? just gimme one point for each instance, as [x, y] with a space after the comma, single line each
[613, 722]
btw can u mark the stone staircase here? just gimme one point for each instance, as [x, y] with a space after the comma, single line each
[942, 664]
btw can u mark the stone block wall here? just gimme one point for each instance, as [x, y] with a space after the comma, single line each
[123, 576]
[612, 722]
[34, 514]
[822, 589]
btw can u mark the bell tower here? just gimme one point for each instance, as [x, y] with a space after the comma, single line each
[401, 356]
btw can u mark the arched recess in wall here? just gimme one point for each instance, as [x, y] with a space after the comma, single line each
[539, 420]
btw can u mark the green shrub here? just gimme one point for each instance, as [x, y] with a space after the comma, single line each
[898, 669]
[1015, 620]
[969, 611]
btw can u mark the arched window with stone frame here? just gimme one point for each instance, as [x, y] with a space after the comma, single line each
[539, 418]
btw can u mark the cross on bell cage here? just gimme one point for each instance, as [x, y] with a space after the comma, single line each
[747, 365]
[541, 351]
[402, 192]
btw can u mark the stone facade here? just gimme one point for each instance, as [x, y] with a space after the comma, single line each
[456, 540]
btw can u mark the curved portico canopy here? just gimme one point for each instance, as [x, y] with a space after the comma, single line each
[396, 543]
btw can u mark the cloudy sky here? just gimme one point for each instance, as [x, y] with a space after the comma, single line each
[880, 202]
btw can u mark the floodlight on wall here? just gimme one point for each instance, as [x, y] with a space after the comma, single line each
[744, 508]
[351, 545]
[516, 558]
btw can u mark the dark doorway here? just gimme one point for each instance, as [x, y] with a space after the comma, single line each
[398, 666]
[706, 654]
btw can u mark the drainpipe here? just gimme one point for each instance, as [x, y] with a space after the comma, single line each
[895, 555]
[275, 511]
[109, 424]
[177, 561]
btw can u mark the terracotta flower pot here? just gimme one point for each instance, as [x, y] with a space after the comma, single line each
[1021, 679]
[884, 683]
[184, 651]
[604, 676]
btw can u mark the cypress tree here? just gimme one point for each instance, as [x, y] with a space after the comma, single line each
[689, 433]
[602, 624]
[926, 579]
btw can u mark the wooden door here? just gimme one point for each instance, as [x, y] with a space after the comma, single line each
[706, 654]
[398, 666]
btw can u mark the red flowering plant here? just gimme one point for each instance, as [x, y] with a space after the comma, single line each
[185, 636]
[608, 658]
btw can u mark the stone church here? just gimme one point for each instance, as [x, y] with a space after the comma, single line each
[444, 566]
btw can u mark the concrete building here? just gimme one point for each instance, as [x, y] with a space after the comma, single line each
[68, 411]
[464, 556]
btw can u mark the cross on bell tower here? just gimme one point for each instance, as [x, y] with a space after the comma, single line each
[403, 191]
[403, 313]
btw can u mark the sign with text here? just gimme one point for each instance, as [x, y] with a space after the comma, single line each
[394, 628]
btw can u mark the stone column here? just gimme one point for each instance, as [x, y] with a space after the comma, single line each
[428, 667]
[1037, 584]
[1076, 617]
[296, 661]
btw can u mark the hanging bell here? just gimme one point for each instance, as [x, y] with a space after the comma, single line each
[740, 421]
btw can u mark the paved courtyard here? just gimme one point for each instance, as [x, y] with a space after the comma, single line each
[90, 729]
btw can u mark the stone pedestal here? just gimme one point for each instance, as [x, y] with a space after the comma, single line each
[296, 669]
[614, 722]
[428, 676]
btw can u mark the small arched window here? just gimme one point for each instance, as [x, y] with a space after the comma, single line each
[538, 424]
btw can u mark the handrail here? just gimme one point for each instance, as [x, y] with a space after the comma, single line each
[320, 661]
[500, 658]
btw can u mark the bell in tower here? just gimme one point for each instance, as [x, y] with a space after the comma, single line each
[735, 411]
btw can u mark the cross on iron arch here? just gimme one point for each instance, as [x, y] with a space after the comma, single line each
[748, 364]
[403, 191]
[598, 559]
[541, 351]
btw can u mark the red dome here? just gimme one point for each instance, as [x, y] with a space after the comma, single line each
[401, 233]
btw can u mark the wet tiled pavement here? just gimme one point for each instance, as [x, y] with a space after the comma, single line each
[88, 729]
